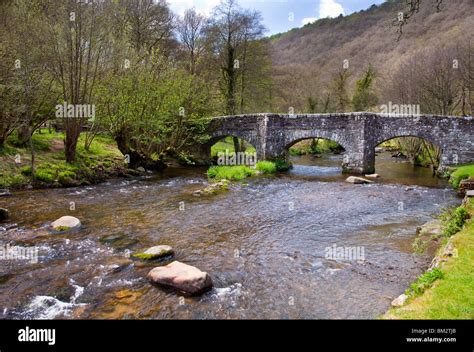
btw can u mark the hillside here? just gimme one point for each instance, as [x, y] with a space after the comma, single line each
[306, 58]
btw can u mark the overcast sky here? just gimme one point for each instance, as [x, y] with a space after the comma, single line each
[282, 15]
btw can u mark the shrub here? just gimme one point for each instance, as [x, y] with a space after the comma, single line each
[232, 173]
[282, 165]
[455, 221]
[266, 167]
[66, 175]
[26, 171]
[424, 282]
[45, 175]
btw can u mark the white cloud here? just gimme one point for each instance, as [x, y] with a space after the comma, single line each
[307, 20]
[327, 8]
[330, 8]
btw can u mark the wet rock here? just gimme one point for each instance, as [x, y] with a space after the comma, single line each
[213, 188]
[432, 228]
[154, 253]
[379, 150]
[470, 194]
[373, 176]
[141, 169]
[408, 189]
[4, 214]
[182, 277]
[400, 301]
[119, 241]
[5, 193]
[66, 223]
[358, 180]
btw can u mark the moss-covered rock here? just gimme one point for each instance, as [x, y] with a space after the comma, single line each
[155, 253]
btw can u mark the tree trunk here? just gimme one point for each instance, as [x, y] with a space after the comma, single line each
[73, 132]
[236, 144]
[24, 135]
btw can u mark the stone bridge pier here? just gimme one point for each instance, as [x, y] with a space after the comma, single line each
[358, 133]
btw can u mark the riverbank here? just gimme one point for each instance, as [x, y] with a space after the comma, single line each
[100, 162]
[446, 290]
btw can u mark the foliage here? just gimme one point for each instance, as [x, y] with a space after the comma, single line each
[364, 97]
[231, 173]
[424, 282]
[453, 221]
[461, 173]
[266, 167]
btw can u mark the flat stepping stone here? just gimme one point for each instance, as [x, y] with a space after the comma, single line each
[66, 223]
[182, 277]
[358, 180]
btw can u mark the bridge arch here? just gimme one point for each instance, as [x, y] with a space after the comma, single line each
[317, 135]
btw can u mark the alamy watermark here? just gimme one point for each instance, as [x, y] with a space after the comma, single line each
[400, 109]
[229, 158]
[346, 254]
[78, 111]
[19, 253]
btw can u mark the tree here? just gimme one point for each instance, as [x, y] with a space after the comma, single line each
[191, 35]
[412, 7]
[364, 97]
[232, 29]
[78, 40]
[148, 23]
[339, 89]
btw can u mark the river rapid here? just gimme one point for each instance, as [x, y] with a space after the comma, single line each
[265, 243]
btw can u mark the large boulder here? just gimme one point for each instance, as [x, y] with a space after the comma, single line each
[66, 223]
[358, 180]
[4, 214]
[157, 252]
[182, 277]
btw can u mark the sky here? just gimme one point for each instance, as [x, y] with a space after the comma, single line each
[282, 15]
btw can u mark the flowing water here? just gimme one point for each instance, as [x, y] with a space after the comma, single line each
[264, 243]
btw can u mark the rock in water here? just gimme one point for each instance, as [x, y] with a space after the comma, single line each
[155, 253]
[66, 223]
[373, 176]
[5, 193]
[182, 277]
[358, 180]
[4, 214]
[400, 301]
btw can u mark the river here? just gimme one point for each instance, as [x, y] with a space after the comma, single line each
[264, 243]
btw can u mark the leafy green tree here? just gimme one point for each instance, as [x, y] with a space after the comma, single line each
[364, 97]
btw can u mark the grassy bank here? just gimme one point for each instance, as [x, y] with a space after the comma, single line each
[103, 160]
[446, 292]
[462, 173]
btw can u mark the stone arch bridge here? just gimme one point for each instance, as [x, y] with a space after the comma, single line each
[358, 133]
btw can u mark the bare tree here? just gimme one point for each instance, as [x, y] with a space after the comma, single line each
[191, 34]
[77, 33]
[148, 22]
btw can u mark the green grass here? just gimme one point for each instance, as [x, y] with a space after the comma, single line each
[101, 159]
[451, 295]
[424, 282]
[266, 167]
[231, 173]
[461, 173]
